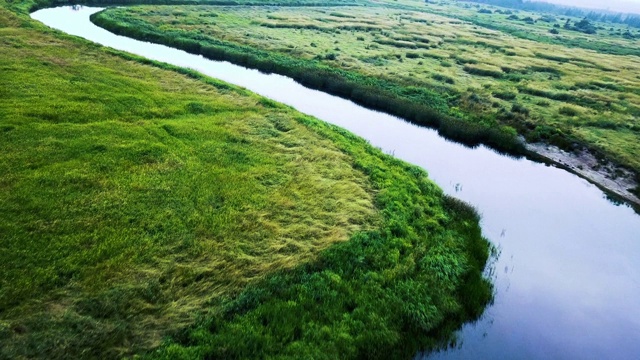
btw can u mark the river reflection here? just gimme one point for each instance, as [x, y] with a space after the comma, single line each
[567, 281]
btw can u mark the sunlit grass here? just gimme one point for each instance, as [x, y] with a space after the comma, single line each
[141, 202]
[119, 178]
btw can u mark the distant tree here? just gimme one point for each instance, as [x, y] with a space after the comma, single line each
[554, 31]
[585, 26]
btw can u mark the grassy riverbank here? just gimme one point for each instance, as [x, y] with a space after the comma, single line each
[142, 202]
[474, 84]
[423, 105]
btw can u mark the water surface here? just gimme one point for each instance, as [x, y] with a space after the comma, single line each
[568, 277]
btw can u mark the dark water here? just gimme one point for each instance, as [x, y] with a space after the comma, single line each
[568, 277]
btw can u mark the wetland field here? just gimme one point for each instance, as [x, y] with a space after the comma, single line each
[478, 73]
[143, 202]
[150, 211]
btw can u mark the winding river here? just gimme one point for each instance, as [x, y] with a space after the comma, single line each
[568, 276]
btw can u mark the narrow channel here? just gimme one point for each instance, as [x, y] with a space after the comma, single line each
[568, 276]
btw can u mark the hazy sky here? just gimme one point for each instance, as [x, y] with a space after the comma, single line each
[613, 5]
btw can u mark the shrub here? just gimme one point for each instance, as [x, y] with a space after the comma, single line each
[460, 60]
[482, 71]
[443, 78]
[504, 95]
[568, 111]
[561, 59]
[398, 44]
[330, 56]
[545, 69]
[520, 109]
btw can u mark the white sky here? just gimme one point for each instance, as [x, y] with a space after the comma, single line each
[613, 5]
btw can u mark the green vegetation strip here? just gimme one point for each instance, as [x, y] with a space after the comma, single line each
[415, 103]
[142, 202]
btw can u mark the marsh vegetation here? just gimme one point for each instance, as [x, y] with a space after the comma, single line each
[148, 210]
[478, 76]
[143, 202]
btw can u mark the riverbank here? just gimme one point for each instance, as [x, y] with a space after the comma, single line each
[145, 201]
[605, 174]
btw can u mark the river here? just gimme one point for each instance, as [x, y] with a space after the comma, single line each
[568, 275]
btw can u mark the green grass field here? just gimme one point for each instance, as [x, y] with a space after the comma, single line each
[571, 89]
[145, 209]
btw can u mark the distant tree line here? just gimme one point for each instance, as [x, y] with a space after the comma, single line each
[631, 20]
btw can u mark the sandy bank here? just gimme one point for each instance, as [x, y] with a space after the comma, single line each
[604, 174]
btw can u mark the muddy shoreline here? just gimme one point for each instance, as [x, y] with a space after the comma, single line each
[608, 176]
